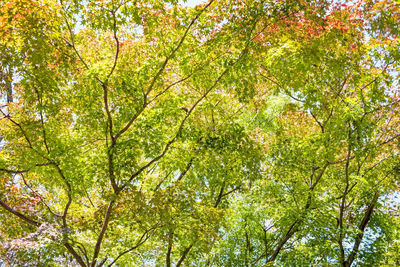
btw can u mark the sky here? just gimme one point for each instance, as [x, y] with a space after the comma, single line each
[191, 3]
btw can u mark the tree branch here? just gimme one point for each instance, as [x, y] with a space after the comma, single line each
[184, 254]
[75, 254]
[160, 71]
[25, 170]
[18, 214]
[361, 228]
[141, 240]
[169, 249]
[102, 232]
[19, 126]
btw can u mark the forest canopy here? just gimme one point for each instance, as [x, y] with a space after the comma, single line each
[227, 133]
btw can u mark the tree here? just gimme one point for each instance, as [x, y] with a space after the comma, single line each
[332, 154]
[234, 133]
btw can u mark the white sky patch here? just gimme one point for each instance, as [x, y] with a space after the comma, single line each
[191, 3]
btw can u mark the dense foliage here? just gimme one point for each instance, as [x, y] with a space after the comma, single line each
[232, 133]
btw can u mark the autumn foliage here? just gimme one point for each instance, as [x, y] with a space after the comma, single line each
[229, 133]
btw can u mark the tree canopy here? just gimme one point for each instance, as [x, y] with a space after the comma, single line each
[231, 133]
